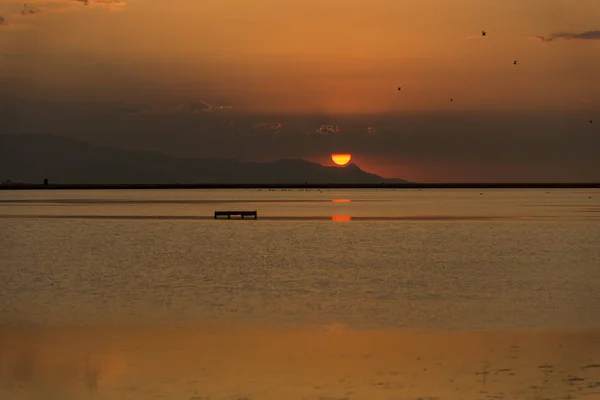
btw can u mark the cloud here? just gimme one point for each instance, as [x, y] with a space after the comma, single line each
[33, 6]
[268, 127]
[93, 3]
[180, 109]
[110, 4]
[328, 129]
[209, 107]
[588, 35]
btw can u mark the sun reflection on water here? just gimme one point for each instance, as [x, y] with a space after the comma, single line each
[341, 218]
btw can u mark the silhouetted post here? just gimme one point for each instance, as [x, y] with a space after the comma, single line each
[46, 181]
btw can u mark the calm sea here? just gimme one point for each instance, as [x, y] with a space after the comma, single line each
[329, 294]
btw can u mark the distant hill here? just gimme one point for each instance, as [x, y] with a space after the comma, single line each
[32, 158]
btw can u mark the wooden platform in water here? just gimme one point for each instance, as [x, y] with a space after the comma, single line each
[242, 214]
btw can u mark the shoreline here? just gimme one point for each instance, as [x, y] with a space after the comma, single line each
[205, 186]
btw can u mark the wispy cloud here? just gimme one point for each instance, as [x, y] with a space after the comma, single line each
[268, 127]
[590, 100]
[588, 35]
[110, 4]
[181, 109]
[31, 7]
[328, 129]
[209, 107]
[18, 9]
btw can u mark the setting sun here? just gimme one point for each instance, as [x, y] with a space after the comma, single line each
[341, 159]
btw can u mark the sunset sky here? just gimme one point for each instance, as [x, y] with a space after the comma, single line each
[305, 78]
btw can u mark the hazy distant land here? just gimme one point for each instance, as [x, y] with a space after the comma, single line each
[32, 158]
[26, 160]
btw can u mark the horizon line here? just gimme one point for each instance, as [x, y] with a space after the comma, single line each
[383, 185]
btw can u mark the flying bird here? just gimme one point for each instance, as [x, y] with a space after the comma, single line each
[483, 33]
[590, 121]
[451, 100]
[400, 87]
[515, 62]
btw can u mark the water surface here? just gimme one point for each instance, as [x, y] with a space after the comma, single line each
[392, 294]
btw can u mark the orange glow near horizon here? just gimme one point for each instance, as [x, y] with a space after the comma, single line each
[341, 201]
[341, 159]
[341, 218]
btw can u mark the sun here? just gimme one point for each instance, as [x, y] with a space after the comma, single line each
[341, 159]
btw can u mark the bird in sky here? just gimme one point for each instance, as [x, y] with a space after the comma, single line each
[400, 87]
[590, 121]
[483, 33]
[515, 62]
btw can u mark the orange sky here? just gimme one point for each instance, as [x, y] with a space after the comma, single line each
[328, 57]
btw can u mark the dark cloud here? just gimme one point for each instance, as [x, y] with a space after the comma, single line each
[589, 35]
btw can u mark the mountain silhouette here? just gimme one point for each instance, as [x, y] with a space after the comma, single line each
[32, 158]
